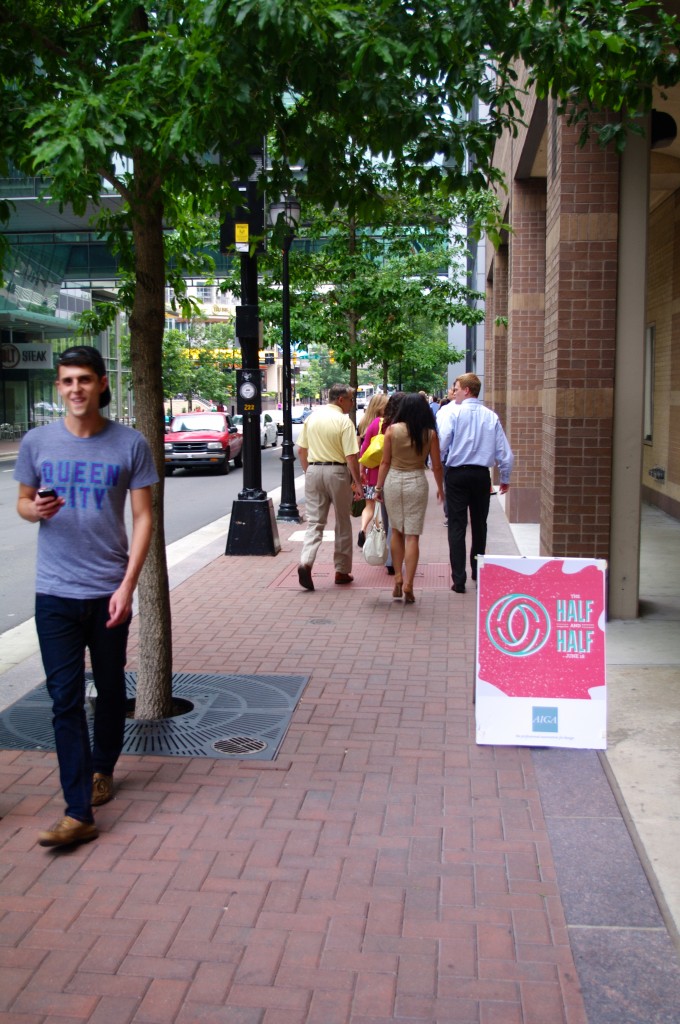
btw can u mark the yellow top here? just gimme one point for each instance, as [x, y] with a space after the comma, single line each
[328, 435]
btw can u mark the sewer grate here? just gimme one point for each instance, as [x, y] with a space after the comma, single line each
[231, 716]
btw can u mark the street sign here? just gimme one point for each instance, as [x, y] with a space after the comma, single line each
[246, 222]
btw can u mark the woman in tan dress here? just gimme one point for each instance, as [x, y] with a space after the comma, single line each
[410, 439]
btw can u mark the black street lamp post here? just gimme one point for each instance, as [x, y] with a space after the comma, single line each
[289, 211]
[252, 527]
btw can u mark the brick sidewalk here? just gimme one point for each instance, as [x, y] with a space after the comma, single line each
[383, 868]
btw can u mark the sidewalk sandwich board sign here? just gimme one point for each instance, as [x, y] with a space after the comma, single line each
[540, 672]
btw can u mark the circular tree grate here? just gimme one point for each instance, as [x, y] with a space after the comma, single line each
[239, 745]
[236, 716]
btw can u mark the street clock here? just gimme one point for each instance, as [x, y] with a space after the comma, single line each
[248, 392]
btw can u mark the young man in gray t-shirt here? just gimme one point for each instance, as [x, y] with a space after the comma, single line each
[74, 476]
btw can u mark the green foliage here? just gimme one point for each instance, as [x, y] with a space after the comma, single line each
[308, 387]
[365, 290]
[92, 322]
[598, 57]
[84, 85]
[424, 363]
[200, 362]
[322, 373]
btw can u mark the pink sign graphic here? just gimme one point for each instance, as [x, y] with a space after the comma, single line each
[541, 633]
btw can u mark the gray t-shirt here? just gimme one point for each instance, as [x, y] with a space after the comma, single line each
[83, 549]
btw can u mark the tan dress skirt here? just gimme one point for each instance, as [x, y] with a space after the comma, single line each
[406, 489]
[406, 493]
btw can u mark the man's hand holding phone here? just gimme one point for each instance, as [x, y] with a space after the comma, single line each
[47, 502]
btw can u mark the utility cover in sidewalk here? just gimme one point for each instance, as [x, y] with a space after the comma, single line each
[232, 716]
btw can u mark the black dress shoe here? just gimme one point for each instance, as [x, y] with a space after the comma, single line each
[305, 577]
[458, 588]
[343, 577]
[361, 539]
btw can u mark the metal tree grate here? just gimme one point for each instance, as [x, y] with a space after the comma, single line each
[231, 716]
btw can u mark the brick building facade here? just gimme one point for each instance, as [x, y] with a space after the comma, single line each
[582, 354]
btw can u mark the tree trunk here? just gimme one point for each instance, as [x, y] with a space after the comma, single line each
[147, 324]
[353, 322]
[353, 367]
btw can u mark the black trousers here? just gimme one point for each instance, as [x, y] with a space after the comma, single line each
[468, 488]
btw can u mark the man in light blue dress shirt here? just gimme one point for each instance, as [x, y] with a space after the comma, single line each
[471, 443]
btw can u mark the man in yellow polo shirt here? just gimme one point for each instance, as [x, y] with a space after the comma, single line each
[328, 450]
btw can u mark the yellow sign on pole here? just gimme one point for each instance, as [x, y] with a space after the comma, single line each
[241, 237]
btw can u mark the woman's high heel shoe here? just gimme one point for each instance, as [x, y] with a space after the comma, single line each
[408, 595]
[397, 589]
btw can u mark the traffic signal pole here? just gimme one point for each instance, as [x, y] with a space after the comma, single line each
[252, 527]
[249, 380]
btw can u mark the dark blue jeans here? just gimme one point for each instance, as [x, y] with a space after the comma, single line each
[66, 627]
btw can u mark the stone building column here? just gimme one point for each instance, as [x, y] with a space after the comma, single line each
[495, 378]
[624, 548]
[580, 344]
[526, 326]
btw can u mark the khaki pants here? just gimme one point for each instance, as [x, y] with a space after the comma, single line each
[326, 486]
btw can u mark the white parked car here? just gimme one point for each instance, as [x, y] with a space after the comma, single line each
[277, 416]
[268, 429]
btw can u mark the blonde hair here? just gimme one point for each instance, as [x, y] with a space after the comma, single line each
[376, 407]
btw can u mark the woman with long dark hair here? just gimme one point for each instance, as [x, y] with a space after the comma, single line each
[390, 412]
[410, 439]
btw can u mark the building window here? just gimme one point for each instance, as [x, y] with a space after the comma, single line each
[204, 294]
[648, 415]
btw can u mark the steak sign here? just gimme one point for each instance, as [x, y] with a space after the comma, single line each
[25, 357]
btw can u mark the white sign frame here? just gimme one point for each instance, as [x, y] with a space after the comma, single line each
[540, 665]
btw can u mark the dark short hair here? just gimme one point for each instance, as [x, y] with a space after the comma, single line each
[86, 355]
[337, 391]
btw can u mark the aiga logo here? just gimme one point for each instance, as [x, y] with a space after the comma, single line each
[518, 625]
[544, 719]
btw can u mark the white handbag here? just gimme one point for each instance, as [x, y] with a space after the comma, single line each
[375, 546]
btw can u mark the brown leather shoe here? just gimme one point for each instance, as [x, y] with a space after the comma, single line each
[102, 789]
[68, 831]
[343, 577]
[305, 577]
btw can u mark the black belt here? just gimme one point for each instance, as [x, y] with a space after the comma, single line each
[468, 465]
[327, 463]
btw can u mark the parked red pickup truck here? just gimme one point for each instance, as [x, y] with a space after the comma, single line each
[202, 440]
